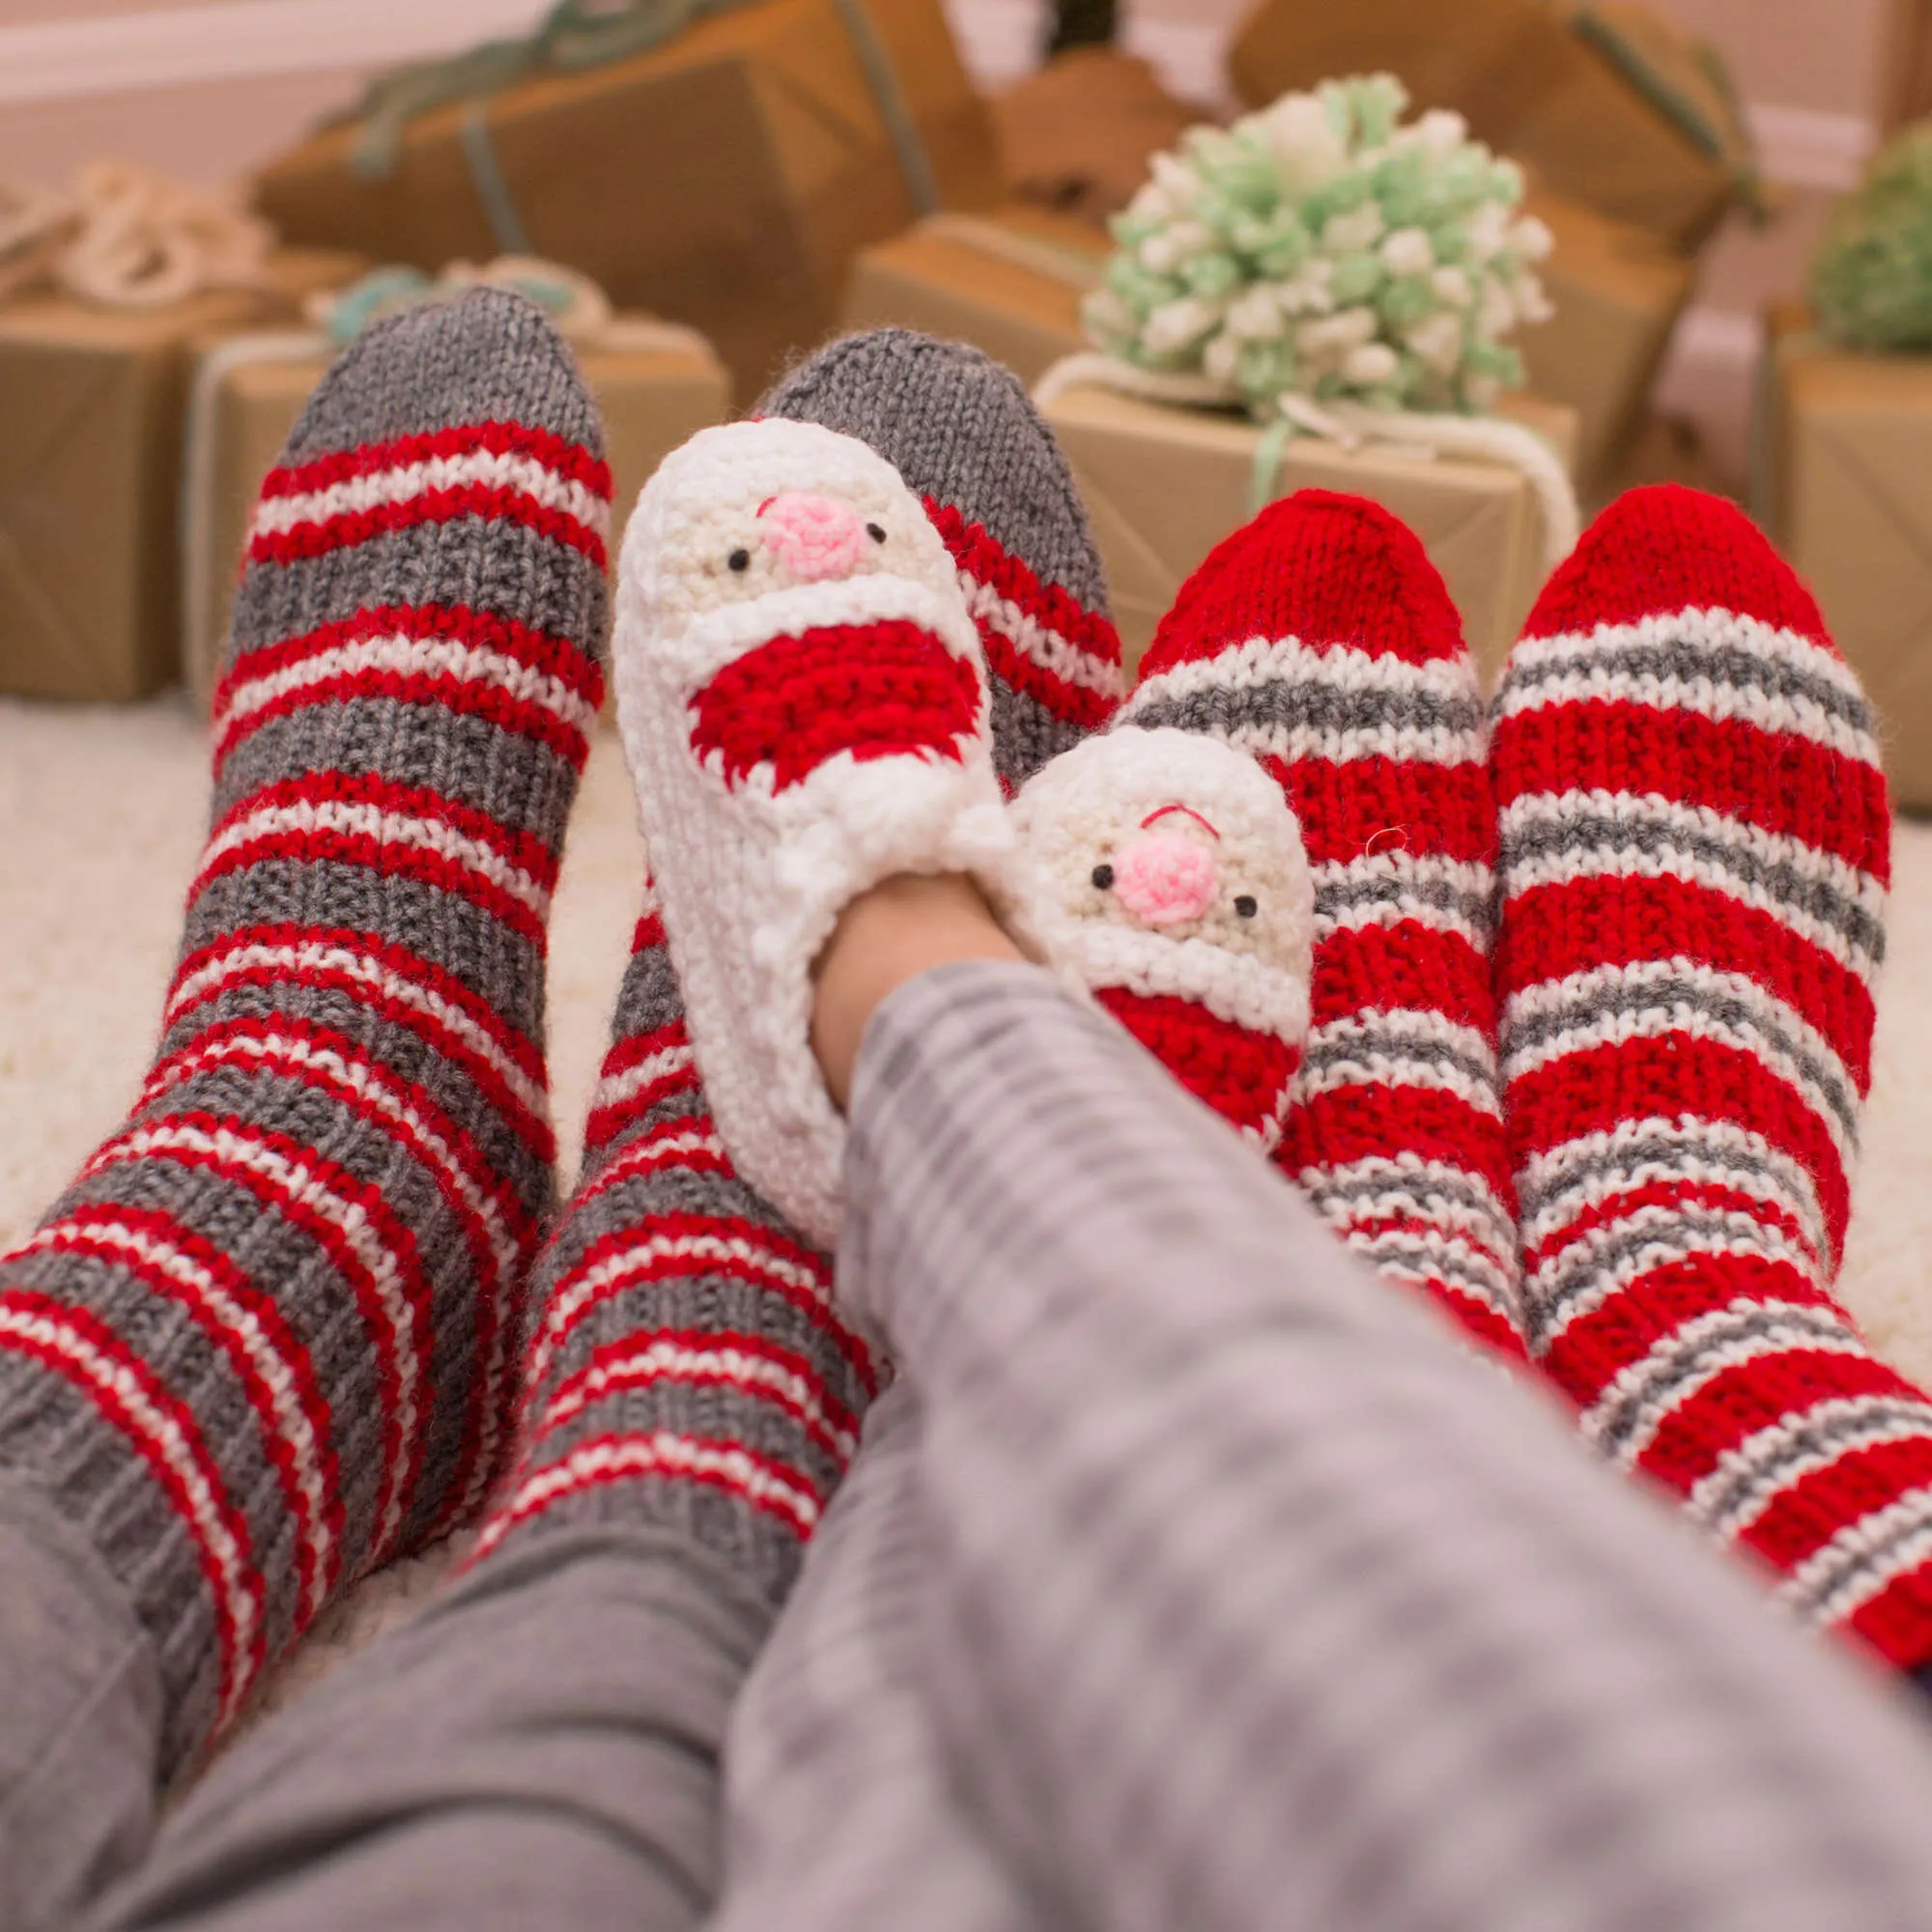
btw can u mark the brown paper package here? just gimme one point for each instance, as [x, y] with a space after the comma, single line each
[1618, 293]
[1163, 486]
[1849, 443]
[940, 276]
[1078, 136]
[90, 472]
[652, 401]
[1527, 83]
[724, 180]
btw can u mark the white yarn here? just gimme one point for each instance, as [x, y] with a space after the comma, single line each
[1090, 803]
[752, 879]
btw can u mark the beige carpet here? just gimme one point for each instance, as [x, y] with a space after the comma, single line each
[101, 815]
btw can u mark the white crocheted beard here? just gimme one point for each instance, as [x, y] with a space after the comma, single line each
[1167, 863]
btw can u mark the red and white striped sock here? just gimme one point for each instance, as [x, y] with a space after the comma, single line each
[1322, 639]
[264, 1341]
[1695, 852]
[688, 1368]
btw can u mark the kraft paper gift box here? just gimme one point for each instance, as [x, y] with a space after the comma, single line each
[656, 387]
[1530, 85]
[1009, 284]
[90, 468]
[1846, 488]
[1618, 293]
[724, 179]
[1163, 486]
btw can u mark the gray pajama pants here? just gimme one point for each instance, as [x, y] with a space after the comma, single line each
[1187, 1579]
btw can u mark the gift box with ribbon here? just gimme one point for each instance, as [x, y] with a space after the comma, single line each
[1009, 283]
[656, 384]
[1609, 103]
[1320, 295]
[714, 162]
[1615, 293]
[101, 296]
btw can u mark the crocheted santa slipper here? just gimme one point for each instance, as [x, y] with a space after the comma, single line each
[1171, 877]
[804, 707]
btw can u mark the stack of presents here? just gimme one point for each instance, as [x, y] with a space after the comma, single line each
[774, 171]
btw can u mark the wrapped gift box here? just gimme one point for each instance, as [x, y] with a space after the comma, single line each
[89, 465]
[1528, 83]
[1846, 441]
[1009, 284]
[1163, 486]
[654, 390]
[1618, 293]
[1078, 135]
[724, 179]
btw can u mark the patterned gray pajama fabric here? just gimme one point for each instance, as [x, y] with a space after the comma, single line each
[1248, 1600]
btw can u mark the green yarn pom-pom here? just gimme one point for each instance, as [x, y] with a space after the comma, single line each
[1871, 284]
[1327, 248]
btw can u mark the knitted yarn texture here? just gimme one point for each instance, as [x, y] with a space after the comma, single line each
[1170, 876]
[804, 705]
[265, 1341]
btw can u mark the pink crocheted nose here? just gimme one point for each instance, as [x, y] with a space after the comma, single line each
[814, 537]
[1164, 879]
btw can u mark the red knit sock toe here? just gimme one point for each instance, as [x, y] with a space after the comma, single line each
[1320, 639]
[1695, 847]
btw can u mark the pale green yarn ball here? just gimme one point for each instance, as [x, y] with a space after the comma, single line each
[1325, 247]
[1871, 284]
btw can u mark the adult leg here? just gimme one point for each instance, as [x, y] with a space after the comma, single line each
[259, 1346]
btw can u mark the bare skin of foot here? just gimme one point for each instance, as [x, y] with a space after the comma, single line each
[904, 926]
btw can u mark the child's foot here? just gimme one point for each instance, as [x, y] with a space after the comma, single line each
[1695, 858]
[261, 1344]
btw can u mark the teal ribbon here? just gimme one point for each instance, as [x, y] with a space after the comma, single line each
[574, 36]
[1265, 476]
[386, 291]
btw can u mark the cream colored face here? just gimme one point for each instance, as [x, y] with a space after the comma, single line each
[744, 543]
[1226, 880]
[1172, 835]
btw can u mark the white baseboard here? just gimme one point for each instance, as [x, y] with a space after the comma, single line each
[179, 46]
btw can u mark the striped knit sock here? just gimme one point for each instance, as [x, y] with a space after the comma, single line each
[1320, 639]
[686, 1366]
[959, 427]
[1695, 859]
[261, 1344]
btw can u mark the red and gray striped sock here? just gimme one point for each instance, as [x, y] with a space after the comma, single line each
[1321, 640]
[1695, 852]
[264, 1343]
[687, 1370]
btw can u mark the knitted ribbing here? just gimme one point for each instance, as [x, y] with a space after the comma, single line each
[264, 1342]
[685, 1367]
[1695, 852]
[1320, 639]
[960, 428]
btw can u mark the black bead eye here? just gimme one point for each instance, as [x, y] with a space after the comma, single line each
[1103, 877]
[1245, 906]
[876, 532]
[740, 559]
